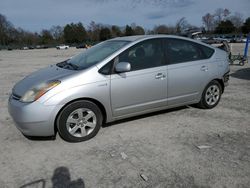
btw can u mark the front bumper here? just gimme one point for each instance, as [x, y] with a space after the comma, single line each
[33, 119]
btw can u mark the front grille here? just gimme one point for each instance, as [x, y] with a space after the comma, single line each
[15, 97]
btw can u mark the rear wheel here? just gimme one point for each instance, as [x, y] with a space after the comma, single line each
[79, 121]
[211, 95]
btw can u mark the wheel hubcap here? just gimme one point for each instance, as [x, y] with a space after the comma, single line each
[212, 95]
[81, 122]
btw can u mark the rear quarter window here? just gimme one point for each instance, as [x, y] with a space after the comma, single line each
[208, 52]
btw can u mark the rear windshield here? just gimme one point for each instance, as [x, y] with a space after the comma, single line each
[96, 54]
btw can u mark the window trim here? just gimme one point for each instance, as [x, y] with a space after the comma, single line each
[166, 60]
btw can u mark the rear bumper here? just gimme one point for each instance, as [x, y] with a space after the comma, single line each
[33, 119]
[226, 78]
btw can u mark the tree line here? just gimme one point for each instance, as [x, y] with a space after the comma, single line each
[222, 21]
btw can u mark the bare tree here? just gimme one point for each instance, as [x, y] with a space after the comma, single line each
[226, 13]
[57, 33]
[211, 21]
[163, 29]
[218, 15]
[221, 15]
[208, 21]
[94, 31]
[182, 25]
[237, 19]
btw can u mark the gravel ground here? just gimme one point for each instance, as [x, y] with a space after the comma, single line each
[154, 150]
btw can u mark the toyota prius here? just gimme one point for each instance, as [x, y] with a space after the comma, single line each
[116, 79]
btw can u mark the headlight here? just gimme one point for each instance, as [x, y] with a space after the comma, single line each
[38, 91]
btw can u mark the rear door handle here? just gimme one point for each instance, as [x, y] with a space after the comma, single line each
[160, 76]
[204, 68]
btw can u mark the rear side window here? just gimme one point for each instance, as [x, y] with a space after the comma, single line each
[208, 52]
[178, 51]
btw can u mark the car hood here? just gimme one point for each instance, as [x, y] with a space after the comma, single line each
[47, 74]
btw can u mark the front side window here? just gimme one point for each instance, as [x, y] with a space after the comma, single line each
[146, 54]
[178, 51]
[96, 54]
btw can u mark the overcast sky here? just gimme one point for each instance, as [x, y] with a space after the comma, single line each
[35, 15]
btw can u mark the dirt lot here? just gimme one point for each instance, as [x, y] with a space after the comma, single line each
[154, 150]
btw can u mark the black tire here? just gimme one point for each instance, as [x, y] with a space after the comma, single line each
[242, 62]
[66, 115]
[205, 101]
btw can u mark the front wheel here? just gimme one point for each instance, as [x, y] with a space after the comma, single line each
[79, 121]
[211, 95]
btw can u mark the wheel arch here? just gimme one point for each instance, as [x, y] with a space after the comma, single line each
[220, 82]
[98, 103]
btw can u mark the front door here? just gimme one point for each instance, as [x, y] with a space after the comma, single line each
[145, 86]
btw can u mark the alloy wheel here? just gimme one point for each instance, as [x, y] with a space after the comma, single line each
[212, 95]
[81, 122]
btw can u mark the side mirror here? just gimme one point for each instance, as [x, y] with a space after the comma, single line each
[122, 67]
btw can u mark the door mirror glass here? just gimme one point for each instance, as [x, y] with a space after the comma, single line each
[122, 67]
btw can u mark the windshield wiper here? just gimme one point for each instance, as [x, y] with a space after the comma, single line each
[75, 67]
[67, 65]
[61, 64]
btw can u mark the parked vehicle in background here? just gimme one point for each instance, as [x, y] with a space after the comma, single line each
[228, 39]
[41, 47]
[239, 40]
[31, 47]
[220, 39]
[27, 48]
[117, 79]
[198, 36]
[84, 46]
[62, 47]
[80, 46]
[211, 40]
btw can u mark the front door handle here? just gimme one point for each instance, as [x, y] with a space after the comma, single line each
[204, 68]
[160, 76]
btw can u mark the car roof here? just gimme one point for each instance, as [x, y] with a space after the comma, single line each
[131, 38]
[142, 37]
[139, 37]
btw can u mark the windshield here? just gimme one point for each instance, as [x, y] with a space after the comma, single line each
[96, 54]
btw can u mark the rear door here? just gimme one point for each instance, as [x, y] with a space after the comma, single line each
[188, 70]
[144, 87]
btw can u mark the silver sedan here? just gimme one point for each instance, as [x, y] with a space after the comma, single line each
[116, 79]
